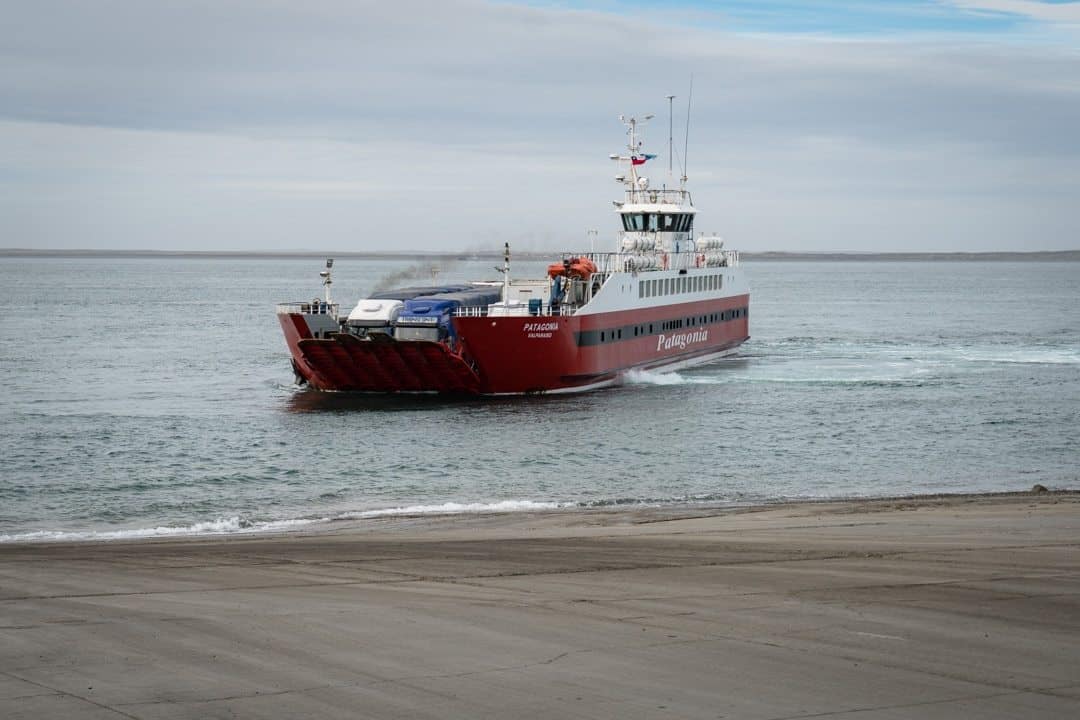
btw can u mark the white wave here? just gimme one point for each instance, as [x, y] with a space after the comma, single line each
[221, 526]
[453, 508]
[237, 525]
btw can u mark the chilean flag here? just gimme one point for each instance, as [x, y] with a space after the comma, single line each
[640, 159]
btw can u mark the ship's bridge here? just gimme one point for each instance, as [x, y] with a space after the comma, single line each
[662, 210]
[657, 218]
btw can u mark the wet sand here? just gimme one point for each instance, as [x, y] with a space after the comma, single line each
[963, 607]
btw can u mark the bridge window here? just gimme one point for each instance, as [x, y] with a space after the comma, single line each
[653, 222]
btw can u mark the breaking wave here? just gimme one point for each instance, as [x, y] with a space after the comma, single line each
[222, 526]
[453, 508]
[238, 525]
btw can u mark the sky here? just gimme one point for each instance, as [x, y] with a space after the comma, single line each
[456, 125]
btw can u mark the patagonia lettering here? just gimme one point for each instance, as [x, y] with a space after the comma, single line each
[682, 340]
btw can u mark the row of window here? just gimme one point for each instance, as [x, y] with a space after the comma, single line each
[658, 222]
[628, 332]
[678, 285]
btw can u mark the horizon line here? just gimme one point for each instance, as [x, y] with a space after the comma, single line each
[1073, 254]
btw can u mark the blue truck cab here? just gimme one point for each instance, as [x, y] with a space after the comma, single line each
[378, 314]
[430, 317]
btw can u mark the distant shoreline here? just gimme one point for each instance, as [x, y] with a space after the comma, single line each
[1042, 256]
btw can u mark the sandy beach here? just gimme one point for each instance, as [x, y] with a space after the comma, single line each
[957, 607]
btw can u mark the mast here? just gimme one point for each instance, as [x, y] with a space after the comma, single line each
[633, 183]
[670, 128]
[326, 280]
[506, 274]
[686, 145]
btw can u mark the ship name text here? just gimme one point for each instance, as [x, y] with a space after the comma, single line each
[682, 340]
[540, 329]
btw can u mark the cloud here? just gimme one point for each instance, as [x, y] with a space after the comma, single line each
[1060, 12]
[338, 125]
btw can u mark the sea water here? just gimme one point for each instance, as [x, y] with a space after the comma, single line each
[154, 396]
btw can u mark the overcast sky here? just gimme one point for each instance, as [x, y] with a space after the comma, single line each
[890, 125]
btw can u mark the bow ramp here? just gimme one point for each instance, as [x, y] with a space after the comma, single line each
[346, 362]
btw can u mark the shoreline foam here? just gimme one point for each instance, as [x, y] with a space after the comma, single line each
[448, 512]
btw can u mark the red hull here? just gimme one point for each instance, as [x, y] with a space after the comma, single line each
[523, 354]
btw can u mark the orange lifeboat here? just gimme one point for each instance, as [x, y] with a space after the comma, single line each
[580, 267]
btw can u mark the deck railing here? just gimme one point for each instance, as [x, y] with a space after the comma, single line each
[545, 310]
[656, 260]
[316, 307]
[657, 195]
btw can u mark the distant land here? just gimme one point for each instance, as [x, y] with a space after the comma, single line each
[1044, 256]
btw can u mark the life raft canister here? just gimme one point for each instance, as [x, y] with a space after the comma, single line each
[574, 267]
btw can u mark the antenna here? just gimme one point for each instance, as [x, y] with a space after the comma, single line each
[669, 134]
[506, 274]
[686, 146]
[326, 279]
[592, 233]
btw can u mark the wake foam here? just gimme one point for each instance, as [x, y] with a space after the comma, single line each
[653, 377]
[1027, 356]
[659, 377]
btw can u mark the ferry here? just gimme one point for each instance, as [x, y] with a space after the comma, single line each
[664, 299]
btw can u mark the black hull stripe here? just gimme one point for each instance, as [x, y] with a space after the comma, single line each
[635, 331]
